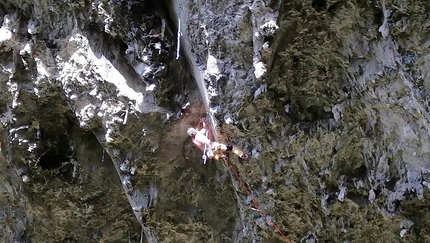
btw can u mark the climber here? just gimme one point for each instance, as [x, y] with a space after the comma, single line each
[211, 149]
[201, 140]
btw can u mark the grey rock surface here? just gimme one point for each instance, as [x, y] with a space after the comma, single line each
[328, 98]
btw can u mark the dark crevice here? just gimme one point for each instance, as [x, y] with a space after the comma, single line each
[319, 5]
[357, 172]
[377, 192]
[53, 134]
[333, 9]
[358, 198]
[391, 184]
[331, 198]
[59, 151]
[378, 16]
[2, 14]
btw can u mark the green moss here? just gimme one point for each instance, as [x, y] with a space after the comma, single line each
[418, 211]
[313, 51]
[308, 69]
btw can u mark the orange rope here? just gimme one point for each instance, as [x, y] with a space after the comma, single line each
[255, 201]
[247, 191]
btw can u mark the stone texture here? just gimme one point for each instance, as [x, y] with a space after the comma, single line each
[329, 98]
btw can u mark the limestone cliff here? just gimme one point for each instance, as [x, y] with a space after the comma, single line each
[329, 99]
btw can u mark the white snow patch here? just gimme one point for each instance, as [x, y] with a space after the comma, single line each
[151, 87]
[9, 68]
[36, 91]
[186, 105]
[111, 108]
[108, 135]
[85, 56]
[22, 141]
[5, 30]
[25, 178]
[41, 69]
[26, 49]
[212, 65]
[94, 92]
[260, 69]
[31, 147]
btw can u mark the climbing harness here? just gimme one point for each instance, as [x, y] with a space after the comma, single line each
[258, 208]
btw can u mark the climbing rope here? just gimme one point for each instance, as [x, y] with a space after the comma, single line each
[249, 193]
[255, 201]
[178, 38]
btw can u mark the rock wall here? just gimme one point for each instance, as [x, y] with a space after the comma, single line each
[337, 125]
[86, 88]
[329, 98]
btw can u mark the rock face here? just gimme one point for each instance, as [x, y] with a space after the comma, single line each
[329, 99]
[83, 96]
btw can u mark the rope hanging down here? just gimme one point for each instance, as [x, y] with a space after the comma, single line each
[255, 201]
[178, 38]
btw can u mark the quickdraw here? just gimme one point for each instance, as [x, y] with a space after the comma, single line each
[204, 157]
